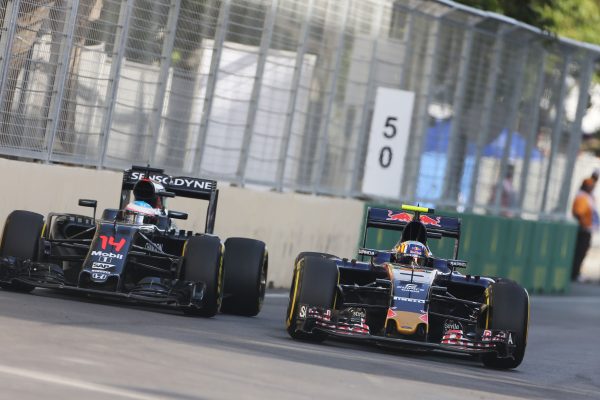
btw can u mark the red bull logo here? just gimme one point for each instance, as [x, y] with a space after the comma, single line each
[427, 220]
[401, 216]
[406, 217]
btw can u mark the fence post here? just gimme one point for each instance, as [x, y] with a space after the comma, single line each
[265, 43]
[556, 129]
[9, 26]
[60, 77]
[407, 40]
[511, 123]
[363, 132]
[452, 176]
[486, 112]
[163, 77]
[291, 108]
[114, 75]
[575, 139]
[211, 84]
[324, 126]
[535, 116]
[409, 183]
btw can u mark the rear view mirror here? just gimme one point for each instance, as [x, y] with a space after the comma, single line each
[177, 215]
[89, 203]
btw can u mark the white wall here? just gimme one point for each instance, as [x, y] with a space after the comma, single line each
[289, 223]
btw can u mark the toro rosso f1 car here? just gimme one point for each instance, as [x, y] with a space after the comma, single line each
[137, 256]
[407, 297]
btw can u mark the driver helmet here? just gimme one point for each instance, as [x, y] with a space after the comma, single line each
[139, 212]
[149, 191]
[412, 253]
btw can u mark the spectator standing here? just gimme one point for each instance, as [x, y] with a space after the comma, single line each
[508, 195]
[584, 210]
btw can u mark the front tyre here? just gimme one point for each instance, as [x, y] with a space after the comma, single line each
[203, 262]
[509, 310]
[313, 284]
[21, 239]
[246, 266]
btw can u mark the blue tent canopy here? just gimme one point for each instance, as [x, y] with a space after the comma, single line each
[438, 137]
[518, 146]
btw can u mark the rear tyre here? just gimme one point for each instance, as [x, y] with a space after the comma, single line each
[203, 262]
[246, 265]
[509, 310]
[21, 239]
[314, 283]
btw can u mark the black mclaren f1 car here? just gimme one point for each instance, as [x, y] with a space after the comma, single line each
[409, 300]
[136, 256]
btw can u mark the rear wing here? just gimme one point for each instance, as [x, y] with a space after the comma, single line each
[385, 218]
[436, 226]
[182, 186]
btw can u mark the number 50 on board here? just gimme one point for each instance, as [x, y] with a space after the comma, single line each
[388, 140]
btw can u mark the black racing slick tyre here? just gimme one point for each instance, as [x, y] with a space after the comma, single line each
[509, 310]
[203, 262]
[21, 239]
[314, 283]
[246, 266]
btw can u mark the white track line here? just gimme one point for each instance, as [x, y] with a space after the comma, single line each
[74, 383]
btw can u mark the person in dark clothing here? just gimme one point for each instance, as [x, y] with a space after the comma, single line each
[583, 210]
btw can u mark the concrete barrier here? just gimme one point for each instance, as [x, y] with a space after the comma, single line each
[289, 223]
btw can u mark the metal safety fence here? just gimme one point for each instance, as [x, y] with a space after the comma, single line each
[281, 93]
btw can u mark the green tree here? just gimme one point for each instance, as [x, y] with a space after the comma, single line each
[529, 11]
[575, 19]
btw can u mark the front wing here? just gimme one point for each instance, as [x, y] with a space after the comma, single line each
[164, 292]
[316, 319]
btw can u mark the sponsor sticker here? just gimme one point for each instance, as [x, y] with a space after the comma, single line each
[401, 216]
[427, 220]
[457, 264]
[101, 266]
[191, 183]
[452, 325]
[183, 182]
[137, 175]
[302, 311]
[107, 255]
[409, 299]
[99, 275]
[367, 252]
[154, 246]
[411, 287]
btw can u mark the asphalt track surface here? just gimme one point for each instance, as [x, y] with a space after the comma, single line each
[58, 347]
